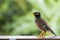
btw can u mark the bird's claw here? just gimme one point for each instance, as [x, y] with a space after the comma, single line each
[41, 37]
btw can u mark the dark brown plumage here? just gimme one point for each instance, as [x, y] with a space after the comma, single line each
[41, 23]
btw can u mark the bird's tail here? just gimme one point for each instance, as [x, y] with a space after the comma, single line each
[52, 32]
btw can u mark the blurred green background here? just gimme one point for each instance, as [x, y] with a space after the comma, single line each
[16, 16]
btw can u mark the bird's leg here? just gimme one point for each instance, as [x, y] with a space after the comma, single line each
[42, 35]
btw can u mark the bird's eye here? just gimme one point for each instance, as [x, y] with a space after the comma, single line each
[37, 14]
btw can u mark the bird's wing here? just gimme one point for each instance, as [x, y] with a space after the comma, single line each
[45, 24]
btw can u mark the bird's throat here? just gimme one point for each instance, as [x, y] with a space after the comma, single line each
[37, 16]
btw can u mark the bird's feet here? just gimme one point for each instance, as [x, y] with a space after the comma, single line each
[41, 36]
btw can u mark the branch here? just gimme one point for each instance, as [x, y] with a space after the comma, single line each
[29, 38]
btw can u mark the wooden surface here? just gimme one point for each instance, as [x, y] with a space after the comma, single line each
[29, 37]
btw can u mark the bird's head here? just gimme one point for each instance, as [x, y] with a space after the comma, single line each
[37, 14]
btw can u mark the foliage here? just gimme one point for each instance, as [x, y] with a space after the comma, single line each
[16, 16]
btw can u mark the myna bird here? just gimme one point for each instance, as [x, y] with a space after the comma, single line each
[42, 24]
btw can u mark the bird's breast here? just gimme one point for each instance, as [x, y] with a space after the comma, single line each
[38, 24]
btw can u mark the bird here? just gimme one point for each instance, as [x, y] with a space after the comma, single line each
[42, 24]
